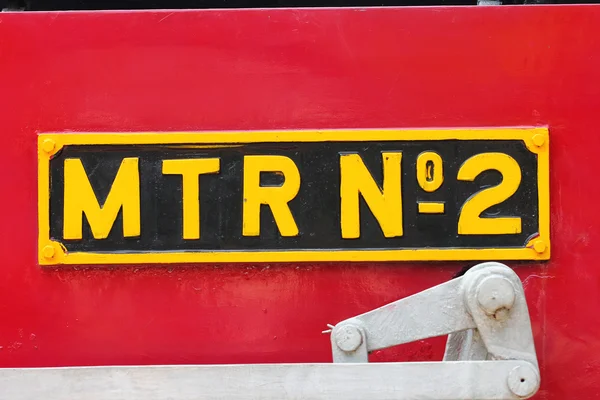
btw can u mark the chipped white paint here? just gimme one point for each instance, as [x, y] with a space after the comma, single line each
[379, 381]
[484, 313]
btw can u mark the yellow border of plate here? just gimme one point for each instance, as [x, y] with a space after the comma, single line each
[53, 253]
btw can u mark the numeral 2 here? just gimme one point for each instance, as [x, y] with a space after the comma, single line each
[469, 219]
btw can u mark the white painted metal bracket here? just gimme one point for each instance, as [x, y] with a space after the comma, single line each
[490, 355]
[485, 315]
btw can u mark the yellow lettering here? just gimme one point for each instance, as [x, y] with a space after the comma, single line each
[190, 170]
[80, 199]
[430, 171]
[386, 204]
[276, 197]
[470, 221]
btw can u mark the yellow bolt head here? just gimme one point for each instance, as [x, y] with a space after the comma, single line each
[48, 251]
[48, 145]
[539, 246]
[538, 139]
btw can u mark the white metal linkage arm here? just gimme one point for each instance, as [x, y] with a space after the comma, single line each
[484, 314]
[490, 355]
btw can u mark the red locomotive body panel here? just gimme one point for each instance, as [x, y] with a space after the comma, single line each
[292, 69]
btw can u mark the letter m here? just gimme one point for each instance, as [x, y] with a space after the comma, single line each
[80, 199]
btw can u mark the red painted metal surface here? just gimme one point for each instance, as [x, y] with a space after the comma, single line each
[272, 69]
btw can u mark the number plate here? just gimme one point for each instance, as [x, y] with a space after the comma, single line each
[343, 195]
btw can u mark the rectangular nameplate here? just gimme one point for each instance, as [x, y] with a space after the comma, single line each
[292, 196]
